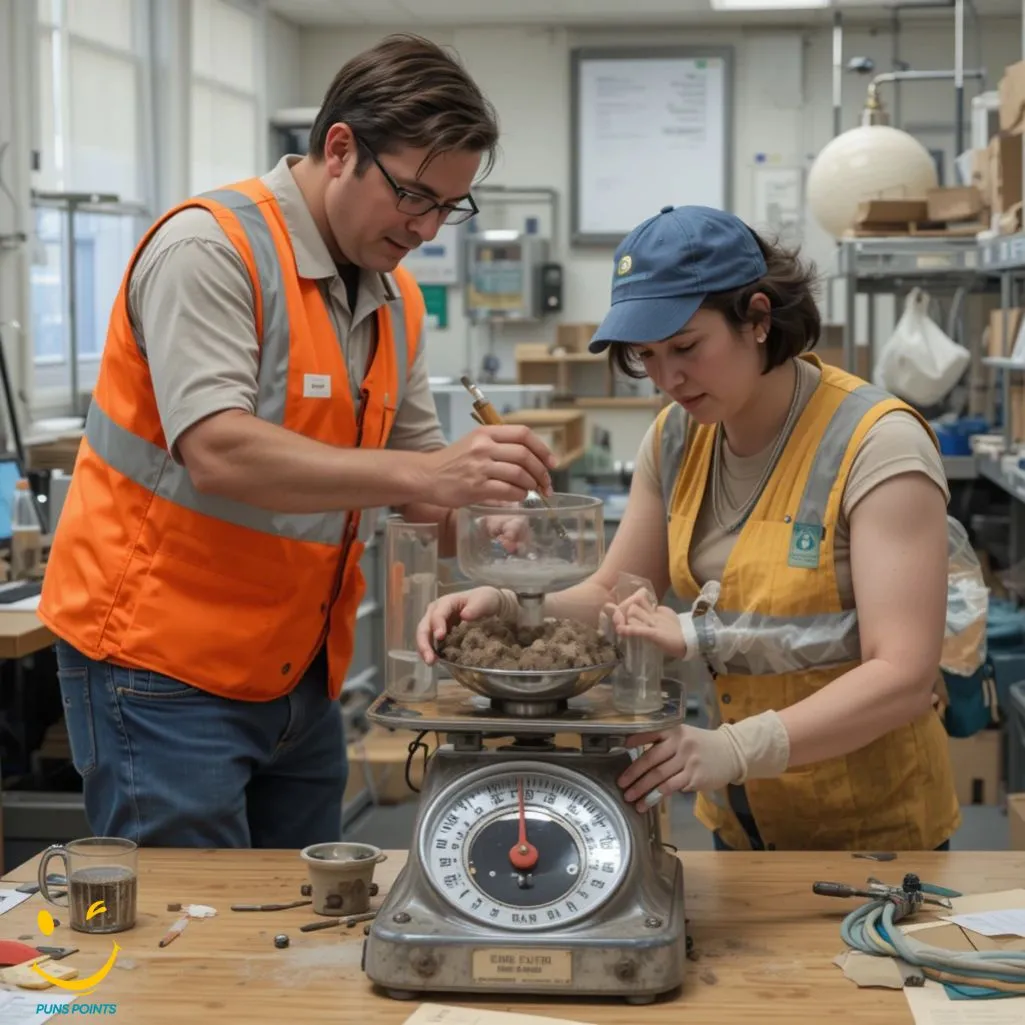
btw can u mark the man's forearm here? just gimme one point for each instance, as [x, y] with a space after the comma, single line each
[241, 457]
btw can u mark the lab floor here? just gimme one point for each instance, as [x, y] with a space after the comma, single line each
[391, 827]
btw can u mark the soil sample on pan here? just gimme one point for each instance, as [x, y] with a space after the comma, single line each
[493, 643]
[115, 885]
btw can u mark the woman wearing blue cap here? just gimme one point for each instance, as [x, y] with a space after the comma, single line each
[802, 512]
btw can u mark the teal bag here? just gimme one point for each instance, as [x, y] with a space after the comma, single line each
[972, 703]
[974, 699]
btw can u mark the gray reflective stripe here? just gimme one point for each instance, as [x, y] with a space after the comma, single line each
[275, 342]
[749, 644]
[397, 309]
[832, 446]
[274, 347]
[367, 524]
[153, 469]
[673, 442]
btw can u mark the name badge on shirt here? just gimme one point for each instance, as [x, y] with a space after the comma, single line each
[805, 540]
[316, 386]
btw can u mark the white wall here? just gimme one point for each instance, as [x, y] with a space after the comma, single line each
[17, 24]
[783, 90]
[283, 69]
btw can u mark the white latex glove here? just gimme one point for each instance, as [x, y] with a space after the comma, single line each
[691, 758]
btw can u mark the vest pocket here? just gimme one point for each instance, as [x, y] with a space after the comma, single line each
[221, 633]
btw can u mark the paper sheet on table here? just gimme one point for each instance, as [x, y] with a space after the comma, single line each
[20, 1008]
[974, 903]
[993, 923]
[1003, 900]
[930, 1006]
[11, 899]
[444, 1014]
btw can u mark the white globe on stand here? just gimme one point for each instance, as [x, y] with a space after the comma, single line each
[868, 162]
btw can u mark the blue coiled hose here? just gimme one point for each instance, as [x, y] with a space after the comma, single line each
[872, 929]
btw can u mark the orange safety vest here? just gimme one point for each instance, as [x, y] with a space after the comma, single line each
[147, 572]
[779, 592]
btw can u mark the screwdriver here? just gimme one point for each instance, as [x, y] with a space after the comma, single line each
[485, 413]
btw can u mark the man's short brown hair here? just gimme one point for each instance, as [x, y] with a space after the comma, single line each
[407, 91]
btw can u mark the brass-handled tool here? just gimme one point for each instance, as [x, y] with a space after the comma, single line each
[348, 921]
[270, 907]
[485, 413]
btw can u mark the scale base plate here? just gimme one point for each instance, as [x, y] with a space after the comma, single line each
[633, 948]
[456, 709]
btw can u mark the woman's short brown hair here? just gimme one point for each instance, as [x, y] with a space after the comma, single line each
[407, 91]
[795, 323]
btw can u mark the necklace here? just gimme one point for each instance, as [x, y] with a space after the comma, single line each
[770, 465]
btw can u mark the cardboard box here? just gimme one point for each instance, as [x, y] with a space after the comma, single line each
[999, 344]
[980, 173]
[954, 203]
[892, 211]
[1012, 98]
[1017, 402]
[1016, 821]
[1005, 170]
[977, 763]
[960, 203]
[574, 337]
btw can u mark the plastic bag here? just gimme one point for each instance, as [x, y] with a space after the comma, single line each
[964, 641]
[920, 363]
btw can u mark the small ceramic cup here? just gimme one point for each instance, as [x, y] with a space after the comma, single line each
[340, 876]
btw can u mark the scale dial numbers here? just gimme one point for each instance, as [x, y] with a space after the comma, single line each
[472, 833]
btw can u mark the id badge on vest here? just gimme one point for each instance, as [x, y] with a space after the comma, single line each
[805, 543]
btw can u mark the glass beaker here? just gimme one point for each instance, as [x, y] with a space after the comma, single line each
[411, 584]
[637, 681]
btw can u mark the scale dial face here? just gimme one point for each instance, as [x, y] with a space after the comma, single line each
[576, 854]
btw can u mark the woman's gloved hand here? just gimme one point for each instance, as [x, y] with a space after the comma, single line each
[691, 758]
[639, 616]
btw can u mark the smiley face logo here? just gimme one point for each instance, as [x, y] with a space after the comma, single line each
[80, 986]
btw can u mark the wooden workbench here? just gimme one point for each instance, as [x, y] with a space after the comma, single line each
[764, 944]
[22, 633]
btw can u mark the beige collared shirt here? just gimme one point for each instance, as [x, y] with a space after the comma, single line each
[191, 303]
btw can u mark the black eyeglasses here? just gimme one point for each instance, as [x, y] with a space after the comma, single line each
[416, 204]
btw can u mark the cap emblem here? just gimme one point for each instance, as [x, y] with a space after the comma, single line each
[624, 265]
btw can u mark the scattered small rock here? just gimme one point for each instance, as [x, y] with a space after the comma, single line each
[281, 941]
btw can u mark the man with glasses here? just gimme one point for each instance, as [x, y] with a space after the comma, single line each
[263, 389]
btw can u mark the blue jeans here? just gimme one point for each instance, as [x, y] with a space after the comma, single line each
[168, 765]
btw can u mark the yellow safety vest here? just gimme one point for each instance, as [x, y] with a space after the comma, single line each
[898, 792]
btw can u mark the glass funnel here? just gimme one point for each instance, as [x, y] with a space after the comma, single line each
[530, 548]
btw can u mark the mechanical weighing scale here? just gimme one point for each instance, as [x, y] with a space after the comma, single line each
[527, 871]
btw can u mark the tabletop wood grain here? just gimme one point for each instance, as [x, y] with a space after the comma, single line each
[763, 941]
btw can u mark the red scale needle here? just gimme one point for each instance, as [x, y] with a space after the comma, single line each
[523, 856]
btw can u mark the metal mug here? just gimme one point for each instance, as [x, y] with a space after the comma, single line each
[102, 875]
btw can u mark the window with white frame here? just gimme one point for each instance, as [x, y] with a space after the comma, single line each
[224, 93]
[90, 86]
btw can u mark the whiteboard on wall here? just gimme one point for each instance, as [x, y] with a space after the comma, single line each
[649, 128]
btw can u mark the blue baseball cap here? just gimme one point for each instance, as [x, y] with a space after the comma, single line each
[666, 267]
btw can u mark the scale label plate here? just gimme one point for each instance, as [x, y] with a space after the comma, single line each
[517, 965]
